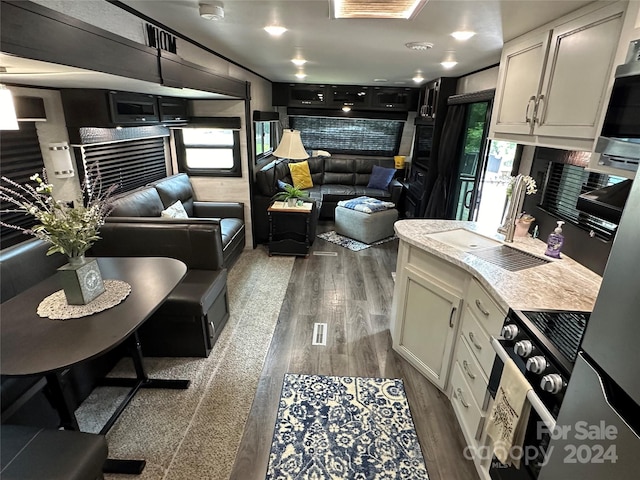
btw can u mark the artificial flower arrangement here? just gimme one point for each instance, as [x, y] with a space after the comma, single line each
[530, 182]
[70, 230]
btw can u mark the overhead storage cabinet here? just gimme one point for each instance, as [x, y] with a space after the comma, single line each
[552, 81]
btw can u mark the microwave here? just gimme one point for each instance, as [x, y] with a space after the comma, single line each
[619, 143]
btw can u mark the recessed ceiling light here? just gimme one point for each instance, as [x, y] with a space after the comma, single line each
[346, 108]
[463, 35]
[403, 9]
[274, 30]
[380, 80]
[301, 75]
[418, 78]
[419, 46]
[449, 64]
[298, 61]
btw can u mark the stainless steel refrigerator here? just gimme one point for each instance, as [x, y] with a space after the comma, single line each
[598, 433]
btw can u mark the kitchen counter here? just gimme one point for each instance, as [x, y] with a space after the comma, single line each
[562, 284]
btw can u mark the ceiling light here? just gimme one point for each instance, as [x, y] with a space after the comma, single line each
[403, 9]
[463, 35]
[212, 11]
[380, 80]
[418, 78]
[301, 75]
[419, 46]
[274, 30]
[346, 108]
[449, 64]
[298, 61]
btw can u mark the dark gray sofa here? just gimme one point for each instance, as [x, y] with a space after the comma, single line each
[334, 178]
[189, 322]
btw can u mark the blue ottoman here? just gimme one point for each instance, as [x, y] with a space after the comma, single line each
[365, 227]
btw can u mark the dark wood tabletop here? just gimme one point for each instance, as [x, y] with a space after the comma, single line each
[32, 345]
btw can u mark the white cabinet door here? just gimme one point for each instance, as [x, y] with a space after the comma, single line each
[521, 70]
[429, 312]
[577, 74]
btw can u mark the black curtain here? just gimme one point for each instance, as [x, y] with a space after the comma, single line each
[448, 154]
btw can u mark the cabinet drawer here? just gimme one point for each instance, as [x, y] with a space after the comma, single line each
[479, 340]
[490, 315]
[467, 410]
[473, 373]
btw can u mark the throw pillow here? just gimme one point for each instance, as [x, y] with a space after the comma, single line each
[381, 177]
[282, 186]
[301, 175]
[175, 211]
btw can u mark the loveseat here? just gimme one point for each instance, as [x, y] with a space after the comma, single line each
[334, 179]
[209, 241]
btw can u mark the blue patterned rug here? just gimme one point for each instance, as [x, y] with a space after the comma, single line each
[350, 243]
[338, 428]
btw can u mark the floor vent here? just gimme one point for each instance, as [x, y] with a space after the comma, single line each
[326, 254]
[319, 334]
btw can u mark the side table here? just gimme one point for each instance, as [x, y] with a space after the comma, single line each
[291, 229]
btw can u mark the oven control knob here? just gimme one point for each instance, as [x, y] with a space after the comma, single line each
[523, 348]
[552, 383]
[537, 364]
[509, 332]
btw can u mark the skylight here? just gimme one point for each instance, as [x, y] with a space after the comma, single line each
[403, 9]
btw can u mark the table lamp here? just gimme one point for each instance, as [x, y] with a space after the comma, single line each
[289, 147]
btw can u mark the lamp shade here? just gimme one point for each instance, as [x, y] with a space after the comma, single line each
[291, 146]
[8, 120]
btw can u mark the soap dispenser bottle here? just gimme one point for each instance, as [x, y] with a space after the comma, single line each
[555, 242]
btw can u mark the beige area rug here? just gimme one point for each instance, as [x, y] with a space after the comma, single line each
[194, 434]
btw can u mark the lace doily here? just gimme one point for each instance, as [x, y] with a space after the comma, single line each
[55, 305]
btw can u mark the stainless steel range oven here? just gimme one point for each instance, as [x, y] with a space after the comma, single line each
[544, 345]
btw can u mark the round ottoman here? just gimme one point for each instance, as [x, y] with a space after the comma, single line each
[365, 227]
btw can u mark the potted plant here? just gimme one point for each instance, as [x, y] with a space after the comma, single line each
[290, 194]
[70, 230]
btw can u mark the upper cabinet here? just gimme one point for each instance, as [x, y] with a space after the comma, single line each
[357, 97]
[553, 81]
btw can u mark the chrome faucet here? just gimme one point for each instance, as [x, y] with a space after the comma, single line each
[518, 191]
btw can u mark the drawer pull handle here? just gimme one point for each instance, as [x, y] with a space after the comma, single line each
[481, 308]
[453, 311]
[465, 365]
[462, 400]
[472, 337]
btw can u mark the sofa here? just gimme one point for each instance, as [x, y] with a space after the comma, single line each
[334, 179]
[136, 219]
[209, 241]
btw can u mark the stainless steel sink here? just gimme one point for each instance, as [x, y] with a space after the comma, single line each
[509, 258]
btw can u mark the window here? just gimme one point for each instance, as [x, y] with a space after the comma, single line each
[20, 157]
[209, 151]
[356, 136]
[564, 183]
[265, 139]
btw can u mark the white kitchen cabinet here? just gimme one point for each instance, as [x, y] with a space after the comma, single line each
[552, 82]
[426, 312]
[430, 312]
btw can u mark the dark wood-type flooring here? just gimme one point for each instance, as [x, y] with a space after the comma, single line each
[351, 292]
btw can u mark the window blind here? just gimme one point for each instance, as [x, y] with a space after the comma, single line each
[129, 164]
[356, 136]
[20, 157]
[564, 183]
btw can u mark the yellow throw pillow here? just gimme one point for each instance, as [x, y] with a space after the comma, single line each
[301, 175]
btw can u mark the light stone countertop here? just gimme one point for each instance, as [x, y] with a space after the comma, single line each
[562, 284]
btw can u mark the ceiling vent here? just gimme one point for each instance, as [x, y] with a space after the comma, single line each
[419, 46]
[399, 9]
